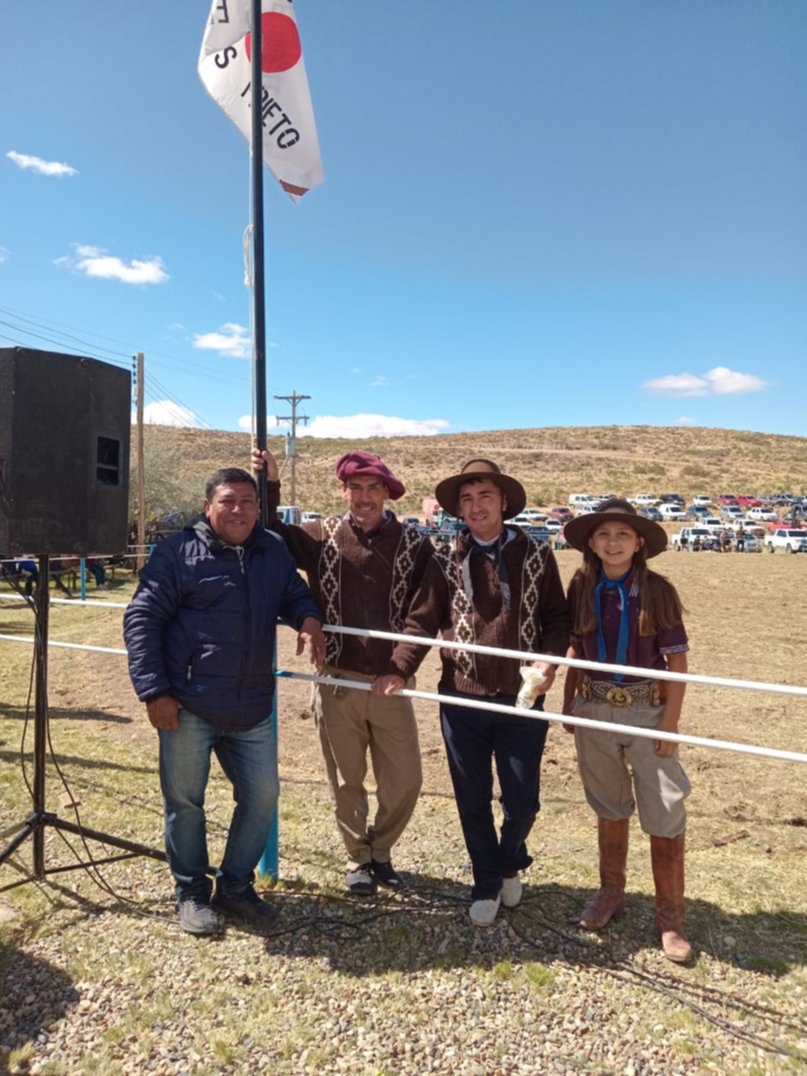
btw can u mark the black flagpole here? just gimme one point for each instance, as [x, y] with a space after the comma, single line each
[258, 311]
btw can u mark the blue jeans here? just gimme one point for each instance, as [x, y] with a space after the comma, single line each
[249, 759]
[473, 739]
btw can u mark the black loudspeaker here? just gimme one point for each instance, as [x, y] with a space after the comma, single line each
[64, 454]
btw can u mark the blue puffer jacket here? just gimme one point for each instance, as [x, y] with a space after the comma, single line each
[201, 625]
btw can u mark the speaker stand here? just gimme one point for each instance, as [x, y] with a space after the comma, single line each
[35, 824]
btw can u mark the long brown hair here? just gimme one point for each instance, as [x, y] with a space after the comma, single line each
[659, 604]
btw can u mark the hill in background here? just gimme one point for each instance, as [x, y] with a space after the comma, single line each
[551, 462]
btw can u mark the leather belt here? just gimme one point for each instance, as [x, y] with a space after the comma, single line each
[643, 693]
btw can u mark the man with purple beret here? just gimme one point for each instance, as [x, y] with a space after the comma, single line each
[363, 568]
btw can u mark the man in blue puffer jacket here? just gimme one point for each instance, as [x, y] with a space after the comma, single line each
[200, 634]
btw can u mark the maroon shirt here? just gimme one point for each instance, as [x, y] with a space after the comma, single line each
[644, 651]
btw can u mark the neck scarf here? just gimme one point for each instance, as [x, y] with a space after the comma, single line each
[619, 585]
[492, 550]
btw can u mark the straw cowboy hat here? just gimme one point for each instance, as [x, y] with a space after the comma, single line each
[578, 530]
[448, 491]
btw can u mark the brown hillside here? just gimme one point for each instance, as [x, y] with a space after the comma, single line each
[552, 462]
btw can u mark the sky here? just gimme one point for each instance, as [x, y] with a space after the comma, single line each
[538, 213]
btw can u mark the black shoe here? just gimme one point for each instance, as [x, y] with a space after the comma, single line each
[247, 906]
[360, 881]
[196, 916]
[385, 874]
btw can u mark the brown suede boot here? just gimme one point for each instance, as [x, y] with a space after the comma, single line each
[609, 901]
[667, 856]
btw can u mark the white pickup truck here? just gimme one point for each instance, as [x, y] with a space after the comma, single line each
[685, 538]
[790, 539]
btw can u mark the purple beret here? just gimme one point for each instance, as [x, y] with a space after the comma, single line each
[365, 464]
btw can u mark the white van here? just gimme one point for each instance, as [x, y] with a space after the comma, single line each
[580, 500]
[289, 513]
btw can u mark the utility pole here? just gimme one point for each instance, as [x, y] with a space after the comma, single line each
[293, 418]
[140, 467]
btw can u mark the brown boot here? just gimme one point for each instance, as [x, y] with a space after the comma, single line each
[667, 856]
[609, 901]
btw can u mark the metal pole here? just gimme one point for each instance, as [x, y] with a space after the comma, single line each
[141, 468]
[258, 287]
[42, 607]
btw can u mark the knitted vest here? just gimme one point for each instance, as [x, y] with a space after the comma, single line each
[330, 579]
[462, 612]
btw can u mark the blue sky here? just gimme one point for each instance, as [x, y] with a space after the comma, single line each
[538, 213]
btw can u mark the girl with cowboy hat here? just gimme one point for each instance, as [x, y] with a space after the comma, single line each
[624, 614]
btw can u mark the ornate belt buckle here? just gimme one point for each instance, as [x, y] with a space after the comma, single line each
[619, 696]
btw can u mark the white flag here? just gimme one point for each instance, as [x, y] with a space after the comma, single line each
[290, 147]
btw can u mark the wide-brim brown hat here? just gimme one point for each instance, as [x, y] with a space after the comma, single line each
[578, 530]
[448, 491]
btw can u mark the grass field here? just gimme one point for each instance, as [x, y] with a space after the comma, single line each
[95, 976]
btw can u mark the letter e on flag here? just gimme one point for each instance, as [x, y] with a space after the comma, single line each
[290, 147]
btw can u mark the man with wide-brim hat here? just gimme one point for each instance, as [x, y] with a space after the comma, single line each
[363, 568]
[494, 586]
[616, 510]
[447, 493]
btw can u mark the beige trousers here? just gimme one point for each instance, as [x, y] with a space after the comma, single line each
[350, 723]
[622, 772]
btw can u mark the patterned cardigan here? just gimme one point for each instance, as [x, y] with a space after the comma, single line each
[463, 599]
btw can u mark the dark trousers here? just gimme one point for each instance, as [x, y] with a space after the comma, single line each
[473, 739]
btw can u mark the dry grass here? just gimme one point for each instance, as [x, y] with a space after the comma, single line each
[551, 462]
[128, 994]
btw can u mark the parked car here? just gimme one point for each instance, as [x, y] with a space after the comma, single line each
[562, 512]
[554, 526]
[538, 531]
[688, 537]
[712, 522]
[697, 511]
[672, 498]
[764, 515]
[644, 499]
[651, 513]
[789, 539]
[726, 498]
[671, 512]
[702, 498]
[731, 512]
[745, 500]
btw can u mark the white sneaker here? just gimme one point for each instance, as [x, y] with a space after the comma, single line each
[512, 891]
[483, 912]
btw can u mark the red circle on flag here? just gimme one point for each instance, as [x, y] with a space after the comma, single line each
[280, 43]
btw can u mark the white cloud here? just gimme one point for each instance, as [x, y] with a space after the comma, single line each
[44, 168]
[165, 413]
[725, 382]
[357, 427]
[95, 262]
[5, 254]
[379, 382]
[684, 420]
[231, 339]
[355, 369]
[272, 425]
[678, 385]
[717, 382]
